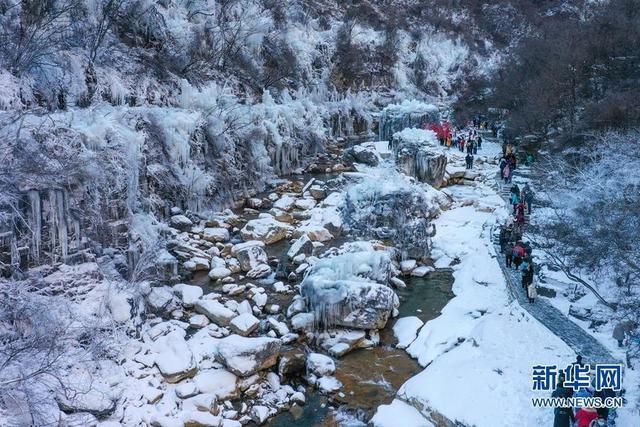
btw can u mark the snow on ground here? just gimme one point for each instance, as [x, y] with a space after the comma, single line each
[479, 353]
[584, 300]
[388, 415]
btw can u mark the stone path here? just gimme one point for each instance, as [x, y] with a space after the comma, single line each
[573, 335]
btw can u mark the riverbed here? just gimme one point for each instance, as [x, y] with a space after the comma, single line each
[371, 377]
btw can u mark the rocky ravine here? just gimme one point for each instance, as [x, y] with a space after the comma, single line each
[290, 287]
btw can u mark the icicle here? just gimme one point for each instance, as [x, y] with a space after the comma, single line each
[76, 226]
[53, 223]
[63, 236]
[36, 223]
[15, 254]
[133, 158]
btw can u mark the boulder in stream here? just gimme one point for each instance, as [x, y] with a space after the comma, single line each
[266, 229]
[417, 154]
[245, 356]
[250, 254]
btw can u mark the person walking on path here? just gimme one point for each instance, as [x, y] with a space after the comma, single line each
[515, 189]
[562, 417]
[579, 361]
[622, 329]
[520, 220]
[518, 254]
[506, 174]
[503, 237]
[469, 160]
[530, 159]
[503, 164]
[527, 197]
[509, 255]
[532, 292]
[527, 275]
[479, 142]
[515, 200]
[604, 394]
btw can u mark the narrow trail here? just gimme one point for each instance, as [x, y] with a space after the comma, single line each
[573, 335]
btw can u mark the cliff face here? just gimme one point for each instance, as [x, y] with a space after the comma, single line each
[113, 108]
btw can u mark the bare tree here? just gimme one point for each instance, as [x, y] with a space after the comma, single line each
[33, 31]
[591, 232]
[40, 339]
[107, 13]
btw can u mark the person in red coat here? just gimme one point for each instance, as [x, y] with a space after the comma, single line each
[585, 416]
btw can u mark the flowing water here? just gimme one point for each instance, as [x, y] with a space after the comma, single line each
[371, 377]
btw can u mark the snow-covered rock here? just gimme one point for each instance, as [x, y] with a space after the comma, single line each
[260, 299]
[120, 306]
[350, 303]
[302, 245]
[98, 400]
[159, 298]
[245, 356]
[266, 229]
[244, 324]
[198, 321]
[317, 192]
[181, 222]
[315, 232]
[339, 349]
[219, 273]
[244, 307]
[420, 159]
[362, 153]
[398, 283]
[259, 271]
[215, 234]
[281, 328]
[186, 390]
[220, 382]
[215, 311]
[200, 419]
[320, 365]
[406, 330]
[196, 264]
[303, 322]
[329, 384]
[407, 265]
[188, 294]
[259, 414]
[297, 306]
[291, 362]
[388, 416]
[174, 357]
[254, 203]
[422, 271]
[285, 203]
[305, 204]
[250, 254]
